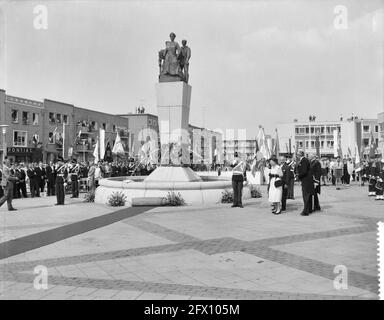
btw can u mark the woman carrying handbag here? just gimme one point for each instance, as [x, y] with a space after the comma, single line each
[275, 186]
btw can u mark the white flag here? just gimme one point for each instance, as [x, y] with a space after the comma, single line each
[102, 143]
[357, 154]
[96, 152]
[335, 143]
[118, 146]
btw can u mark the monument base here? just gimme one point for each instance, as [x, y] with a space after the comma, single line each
[169, 78]
[173, 174]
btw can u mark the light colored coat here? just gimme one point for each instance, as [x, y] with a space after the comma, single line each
[7, 176]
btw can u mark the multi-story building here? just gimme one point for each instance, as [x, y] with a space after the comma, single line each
[352, 132]
[208, 148]
[35, 130]
[380, 118]
[245, 147]
[141, 127]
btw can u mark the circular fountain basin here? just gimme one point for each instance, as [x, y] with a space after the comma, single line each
[197, 193]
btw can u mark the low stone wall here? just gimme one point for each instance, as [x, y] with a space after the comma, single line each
[194, 193]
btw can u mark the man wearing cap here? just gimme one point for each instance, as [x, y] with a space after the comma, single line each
[7, 183]
[238, 177]
[61, 177]
[74, 173]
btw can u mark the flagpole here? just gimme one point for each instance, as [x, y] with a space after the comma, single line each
[63, 141]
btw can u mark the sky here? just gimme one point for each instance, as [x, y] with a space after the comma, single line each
[253, 62]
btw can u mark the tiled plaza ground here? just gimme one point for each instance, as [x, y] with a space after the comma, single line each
[93, 251]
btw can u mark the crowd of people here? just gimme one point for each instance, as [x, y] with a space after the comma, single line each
[23, 180]
[281, 173]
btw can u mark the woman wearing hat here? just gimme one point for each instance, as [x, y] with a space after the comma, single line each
[275, 185]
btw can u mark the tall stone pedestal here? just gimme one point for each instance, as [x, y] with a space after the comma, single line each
[173, 100]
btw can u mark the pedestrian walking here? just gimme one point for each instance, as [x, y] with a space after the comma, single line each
[7, 183]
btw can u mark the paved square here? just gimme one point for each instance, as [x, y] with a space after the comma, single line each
[93, 251]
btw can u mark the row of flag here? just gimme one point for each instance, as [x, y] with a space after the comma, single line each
[266, 146]
[100, 147]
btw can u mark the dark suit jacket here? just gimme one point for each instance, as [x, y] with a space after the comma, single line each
[305, 175]
[316, 170]
[38, 175]
[50, 174]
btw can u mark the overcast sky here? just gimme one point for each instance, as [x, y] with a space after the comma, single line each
[252, 62]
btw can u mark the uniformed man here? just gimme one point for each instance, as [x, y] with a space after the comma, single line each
[7, 183]
[290, 177]
[74, 173]
[61, 178]
[379, 174]
[370, 171]
[238, 178]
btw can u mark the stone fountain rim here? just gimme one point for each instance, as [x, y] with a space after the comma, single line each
[155, 185]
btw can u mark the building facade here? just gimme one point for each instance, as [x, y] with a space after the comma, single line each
[142, 126]
[380, 118]
[44, 131]
[352, 132]
[244, 147]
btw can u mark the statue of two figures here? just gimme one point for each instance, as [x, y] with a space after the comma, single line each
[174, 61]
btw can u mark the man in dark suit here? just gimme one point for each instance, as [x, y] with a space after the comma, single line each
[40, 176]
[285, 178]
[316, 171]
[33, 187]
[21, 186]
[49, 171]
[305, 176]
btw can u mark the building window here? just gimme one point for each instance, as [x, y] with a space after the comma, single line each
[51, 117]
[25, 118]
[297, 130]
[366, 142]
[312, 144]
[35, 119]
[376, 128]
[20, 138]
[307, 130]
[114, 128]
[15, 116]
[306, 144]
[312, 130]
[300, 144]
[104, 126]
[58, 118]
[366, 128]
[322, 144]
[65, 119]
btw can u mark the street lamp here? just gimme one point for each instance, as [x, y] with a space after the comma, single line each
[4, 132]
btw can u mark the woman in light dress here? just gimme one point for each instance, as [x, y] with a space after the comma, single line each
[275, 193]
